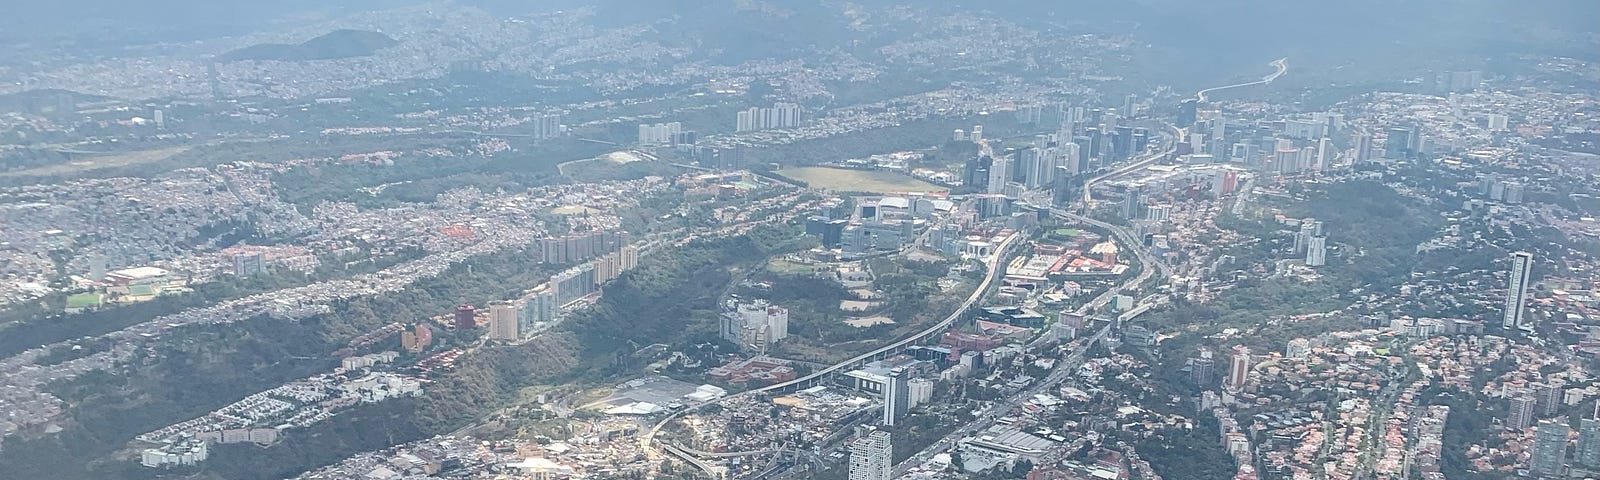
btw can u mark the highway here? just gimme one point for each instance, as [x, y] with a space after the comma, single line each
[996, 270]
[1066, 366]
[1282, 66]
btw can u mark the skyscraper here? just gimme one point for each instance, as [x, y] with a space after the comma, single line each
[1517, 290]
[1363, 147]
[870, 457]
[1186, 112]
[1549, 448]
[1202, 367]
[1520, 415]
[1325, 155]
[1317, 251]
[999, 175]
[1397, 146]
[503, 322]
[1588, 453]
[896, 394]
[1238, 368]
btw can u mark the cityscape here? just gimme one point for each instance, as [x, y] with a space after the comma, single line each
[619, 239]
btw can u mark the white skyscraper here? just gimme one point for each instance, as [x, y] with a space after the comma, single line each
[161, 119]
[1317, 251]
[1325, 155]
[503, 322]
[870, 457]
[999, 175]
[1517, 290]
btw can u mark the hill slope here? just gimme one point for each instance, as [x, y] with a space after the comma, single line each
[333, 45]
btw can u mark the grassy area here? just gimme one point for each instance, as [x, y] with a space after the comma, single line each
[95, 162]
[843, 179]
[84, 300]
[572, 210]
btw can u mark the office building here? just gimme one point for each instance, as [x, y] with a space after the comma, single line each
[999, 175]
[871, 457]
[1238, 368]
[829, 232]
[1517, 290]
[503, 322]
[896, 397]
[1317, 251]
[1325, 155]
[976, 173]
[1131, 203]
[1549, 449]
[1521, 413]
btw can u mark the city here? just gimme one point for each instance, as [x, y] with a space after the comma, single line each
[819, 240]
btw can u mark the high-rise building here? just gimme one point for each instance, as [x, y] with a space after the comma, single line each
[160, 119]
[1187, 110]
[659, 133]
[546, 125]
[1317, 251]
[1130, 205]
[1202, 368]
[1297, 348]
[1549, 448]
[1588, 453]
[466, 317]
[976, 173]
[1363, 147]
[1397, 146]
[920, 390]
[1238, 368]
[896, 397]
[1517, 290]
[1548, 396]
[249, 264]
[1521, 413]
[871, 457]
[999, 175]
[1325, 155]
[1498, 123]
[503, 322]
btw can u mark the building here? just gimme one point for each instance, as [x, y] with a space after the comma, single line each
[1549, 449]
[1588, 453]
[546, 125]
[1521, 413]
[999, 175]
[920, 391]
[1202, 367]
[755, 326]
[829, 232]
[780, 115]
[1517, 290]
[1238, 368]
[871, 457]
[466, 318]
[896, 397]
[1397, 146]
[1548, 396]
[1317, 251]
[249, 264]
[1297, 348]
[503, 322]
[660, 133]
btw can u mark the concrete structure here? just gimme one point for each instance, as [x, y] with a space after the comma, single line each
[896, 397]
[503, 324]
[1238, 368]
[1517, 290]
[871, 457]
[1521, 413]
[1317, 251]
[1549, 449]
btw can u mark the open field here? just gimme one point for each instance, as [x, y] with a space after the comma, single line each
[96, 162]
[83, 300]
[847, 180]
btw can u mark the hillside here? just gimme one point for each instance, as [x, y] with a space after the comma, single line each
[333, 45]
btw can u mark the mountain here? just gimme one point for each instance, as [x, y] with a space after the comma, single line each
[333, 45]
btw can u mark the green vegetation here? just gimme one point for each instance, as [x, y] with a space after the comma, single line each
[850, 180]
[337, 44]
[1189, 454]
[84, 300]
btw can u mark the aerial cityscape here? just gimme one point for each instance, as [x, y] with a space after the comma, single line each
[813, 239]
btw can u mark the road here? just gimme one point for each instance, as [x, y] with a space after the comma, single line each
[1066, 366]
[996, 270]
[1282, 66]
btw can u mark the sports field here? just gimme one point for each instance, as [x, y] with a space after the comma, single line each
[848, 180]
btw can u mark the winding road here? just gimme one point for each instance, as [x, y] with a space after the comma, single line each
[1281, 64]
